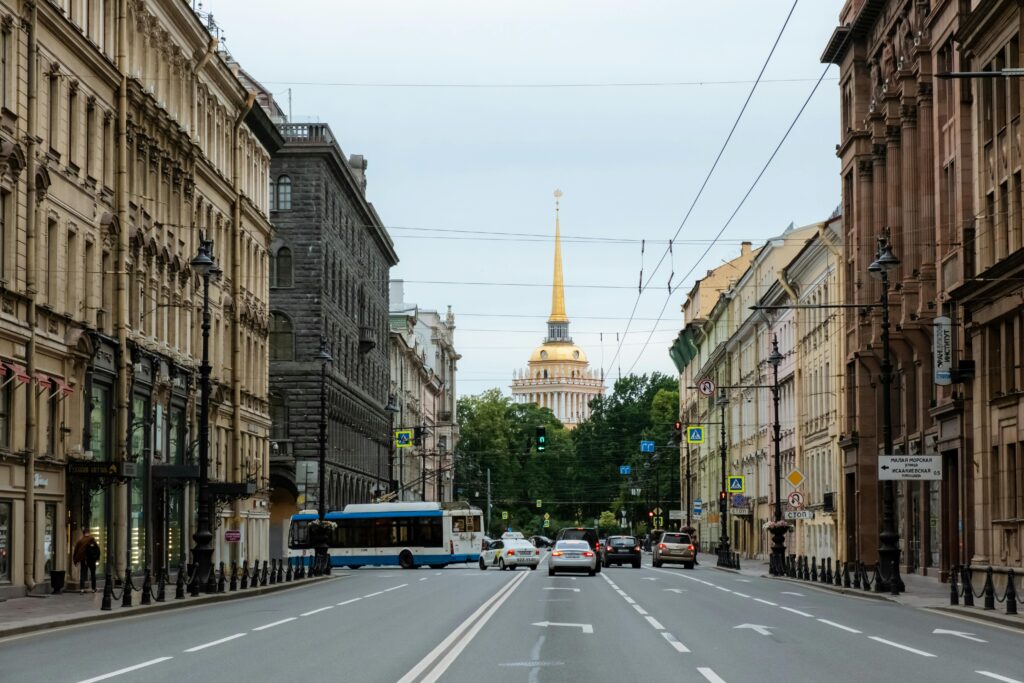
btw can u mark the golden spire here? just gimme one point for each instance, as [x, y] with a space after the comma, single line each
[557, 290]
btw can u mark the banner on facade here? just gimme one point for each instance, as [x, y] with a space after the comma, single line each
[942, 350]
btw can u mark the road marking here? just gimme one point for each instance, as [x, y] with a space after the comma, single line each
[673, 642]
[126, 670]
[370, 595]
[437, 573]
[650, 578]
[394, 588]
[655, 623]
[959, 634]
[675, 590]
[274, 623]
[796, 611]
[573, 578]
[424, 578]
[586, 628]
[197, 648]
[306, 614]
[531, 664]
[793, 593]
[556, 588]
[349, 602]
[840, 626]
[639, 609]
[629, 599]
[466, 630]
[766, 602]
[723, 589]
[742, 595]
[710, 675]
[760, 628]
[902, 647]
[1005, 679]
[744, 580]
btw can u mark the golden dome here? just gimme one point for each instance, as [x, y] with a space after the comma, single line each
[557, 352]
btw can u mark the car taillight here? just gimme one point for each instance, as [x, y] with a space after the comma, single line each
[511, 553]
[661, 546]
[557, 553]
[587, 553]
[637, 548]
[691, 548]
[609, 547]
[536, 552]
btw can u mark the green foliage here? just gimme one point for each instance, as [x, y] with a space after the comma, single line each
[607, 523]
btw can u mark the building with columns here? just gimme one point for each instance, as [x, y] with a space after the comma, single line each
[558, 375]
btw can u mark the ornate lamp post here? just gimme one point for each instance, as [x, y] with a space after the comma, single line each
[204, 265]
[778, 562]
[889, 537]
[321, 542]
[724, 559]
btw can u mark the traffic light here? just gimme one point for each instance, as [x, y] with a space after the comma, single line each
[542, 439]
[651, 514]
[417, 436]
[677, 433]
[723, 501]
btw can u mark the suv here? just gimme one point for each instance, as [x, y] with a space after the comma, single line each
[622, 549]
[579, 533]
[675, 546]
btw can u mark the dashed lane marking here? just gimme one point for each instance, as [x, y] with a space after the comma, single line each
[742, 595]
[424, 578]
[349, 602]
[709, 674]
[125, 670]
[639, 609]
[796, 611]
[274, 623]
[902, 647]
[371, 595]
[314, 611]
[1005, 679]
[839, 626]
[394, 588]
[766, 602]
[673, 642]
[723, 589]
[655, 623]
[197, 648]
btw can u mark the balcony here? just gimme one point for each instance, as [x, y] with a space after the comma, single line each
[367, 339]
[307, 133]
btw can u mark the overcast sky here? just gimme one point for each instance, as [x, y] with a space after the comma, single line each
[629, 159]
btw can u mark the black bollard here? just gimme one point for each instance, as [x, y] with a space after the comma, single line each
[280, 571]
[954, 594]
[856, 574]
[965, 580]
[222, 579]
[211, 580]
[179, 584]
[273, 572]
[263, 579]
[161, 586]
[879, 582]
[990, 590]
[838, 576]
[288, 574]
[807, 570]
[846, 574]
[814, 569]
[245, 574]
[126, 587]
[147, 588]
[193, 584]
[894, 585]
[108, 592]
[233, 585]
[1011, 593]
[828, 571]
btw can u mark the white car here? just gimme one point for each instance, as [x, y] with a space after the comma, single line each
[572, 556]
[509, 554]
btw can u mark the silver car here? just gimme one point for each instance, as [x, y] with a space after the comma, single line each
[572, 556]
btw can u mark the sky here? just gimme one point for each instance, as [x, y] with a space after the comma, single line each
[472, 112]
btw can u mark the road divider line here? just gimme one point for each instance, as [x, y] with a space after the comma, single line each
[655, 623]
[766, 602]
[434, 654]
[742, 595]
[708, 673]
[314, 611]
[424, 578]
[1005, 679]
[902, 647]
[373, 595]
[274, 623]
[639, 609]
[674, 642]
[394, 588]
[125, 670]
[197, 648]
[723, 589]
[349, 602]
[796, 611]
[839, 626]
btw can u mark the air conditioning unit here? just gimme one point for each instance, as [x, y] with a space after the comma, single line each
[830, 502]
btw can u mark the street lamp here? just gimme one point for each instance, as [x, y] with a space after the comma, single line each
[889, 537]
[204, 266]
[392, 409]
[321, 547]
[723, 503]
[778, 562]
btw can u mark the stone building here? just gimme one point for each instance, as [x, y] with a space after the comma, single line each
[125, 139]
[329, 263]
[423, 373]
[558, 374]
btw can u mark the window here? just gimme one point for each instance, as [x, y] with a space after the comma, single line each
[5, 62]
[6, 404]
[54, 117]
[281, 275]
[3, 234]
[282, 341]
[5, 542]
[278, 417]
[53, 419]
[49, 284]
[99, 441]
[284, 193]
[50, 537]
[72, 121]
[272, 196]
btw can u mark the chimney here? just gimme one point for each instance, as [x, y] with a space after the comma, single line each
[397, 294]
[745, 248]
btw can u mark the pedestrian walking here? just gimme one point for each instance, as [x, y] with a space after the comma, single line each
[86, 555]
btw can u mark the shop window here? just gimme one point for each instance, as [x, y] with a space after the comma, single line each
[99, 421]
[50, 538]
[5, 542]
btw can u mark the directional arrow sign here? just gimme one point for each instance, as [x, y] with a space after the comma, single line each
[763, 630]
[959, 634]
[586, 628]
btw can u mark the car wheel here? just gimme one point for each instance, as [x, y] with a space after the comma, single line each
[405, 560]
[501, 564]
[592, 572]
[533, 567]
[688, 565]
[656, 563]
[551, 572]
[483, 565]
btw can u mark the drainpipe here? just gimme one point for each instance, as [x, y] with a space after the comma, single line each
[211, 49]
[121, 319]
[236, 316]
[31, 287]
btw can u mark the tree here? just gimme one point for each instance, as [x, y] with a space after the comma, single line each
[607, 522]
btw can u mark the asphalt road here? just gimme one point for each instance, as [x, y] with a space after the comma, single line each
[462, 624]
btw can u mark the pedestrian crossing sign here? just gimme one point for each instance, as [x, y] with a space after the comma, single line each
[403, 438]
[735, 484]
[694, 435]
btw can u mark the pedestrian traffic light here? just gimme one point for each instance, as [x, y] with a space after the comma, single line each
[677, 433]
[417, 436]
[723, 501]
[542, 439]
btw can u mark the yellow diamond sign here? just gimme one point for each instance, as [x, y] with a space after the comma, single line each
[795, 478]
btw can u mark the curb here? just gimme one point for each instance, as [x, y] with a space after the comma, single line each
[160, 607]
[979, 615]
[841, 590]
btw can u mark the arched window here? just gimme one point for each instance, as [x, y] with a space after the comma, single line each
[278, 416]
[284, 193]
[282, 339]
[281, 268]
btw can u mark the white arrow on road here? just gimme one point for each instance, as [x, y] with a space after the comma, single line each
[587, 628]
[676, 590]
[959, 634]
[574, 590]
[763, 630]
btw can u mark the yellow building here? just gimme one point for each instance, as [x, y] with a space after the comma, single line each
[558, 375]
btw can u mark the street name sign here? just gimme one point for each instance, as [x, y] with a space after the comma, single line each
[736, 484]
[910, 467]
[625, 470]
[798, 514]
[646, 446]
[504, 515]
[694, 434]
[540, 503]
[675, 514]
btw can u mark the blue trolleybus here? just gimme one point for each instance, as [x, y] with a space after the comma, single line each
[405, 534]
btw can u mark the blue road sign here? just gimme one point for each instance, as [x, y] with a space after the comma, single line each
[735, 484]
[698, 504]
[695, 435]
[625, 469]
[646, 446]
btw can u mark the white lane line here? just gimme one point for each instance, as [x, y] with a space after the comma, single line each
[639, 609]
[792, 593]
[710, 675]
[559, 588]
[840, 626]
[314, 611]
[424, 578]
[766, 602]
[629, 599]
[197, 648]
[742, 595]
[674, 643]
[743, 580]
[655, 623]
[437, 573]
[723, 589]
[349, 602]
[1005, 679]
[274, 623]
[126, 670]
[394, 588]
[796, 611]
[370, 595]
[902, 647]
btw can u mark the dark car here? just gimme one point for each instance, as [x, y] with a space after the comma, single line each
[581, 533]
[541, 541]
[622, 550]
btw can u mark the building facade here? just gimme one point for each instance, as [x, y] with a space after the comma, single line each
[558, 374]
[328, 279]
[127, 139]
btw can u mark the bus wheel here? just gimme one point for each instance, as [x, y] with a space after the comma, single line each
[438, 566]
[405, 560]
[353, 566]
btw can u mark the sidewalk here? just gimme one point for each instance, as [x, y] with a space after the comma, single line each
[41, 612]
[922, 592]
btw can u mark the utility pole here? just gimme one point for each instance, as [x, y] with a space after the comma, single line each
[487, 517]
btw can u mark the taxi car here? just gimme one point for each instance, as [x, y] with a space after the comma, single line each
[509, 553]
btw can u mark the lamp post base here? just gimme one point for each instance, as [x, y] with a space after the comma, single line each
[777, 564]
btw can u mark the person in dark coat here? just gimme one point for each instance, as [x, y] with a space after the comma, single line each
[86, 554]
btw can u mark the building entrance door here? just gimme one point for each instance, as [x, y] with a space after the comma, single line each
[913, 530]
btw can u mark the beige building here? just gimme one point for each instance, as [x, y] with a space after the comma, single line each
[126, 139]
